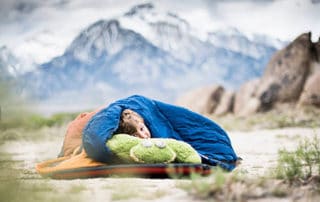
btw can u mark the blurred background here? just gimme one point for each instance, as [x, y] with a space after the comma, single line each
[74, 55]
[251, 66]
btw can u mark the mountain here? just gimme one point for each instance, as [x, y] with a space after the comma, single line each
[12, 66]
[149, 52]
[107, 56]
[8, 64]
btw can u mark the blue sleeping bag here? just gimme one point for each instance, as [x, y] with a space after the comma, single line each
[164, 121]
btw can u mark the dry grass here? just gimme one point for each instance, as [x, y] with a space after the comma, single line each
[284, 116]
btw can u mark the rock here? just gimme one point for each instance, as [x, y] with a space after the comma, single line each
[286, 73]
[311, 91]
[245, 102]
[202, 100]
[226, 103]
[317, 47]
[290, 77]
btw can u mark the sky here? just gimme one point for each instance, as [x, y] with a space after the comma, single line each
[37, 30]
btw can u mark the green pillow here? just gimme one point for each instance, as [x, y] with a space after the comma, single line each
[154, 150]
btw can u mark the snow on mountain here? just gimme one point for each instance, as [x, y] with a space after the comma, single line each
[174, 34]
[39, 48]
[257, 46]
[165, 30]
[104, 56]
[9, 64]
[148, 52]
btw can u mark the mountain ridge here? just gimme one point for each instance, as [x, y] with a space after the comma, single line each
[108, 60]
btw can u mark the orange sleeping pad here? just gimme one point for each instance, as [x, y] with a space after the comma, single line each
[80, 166]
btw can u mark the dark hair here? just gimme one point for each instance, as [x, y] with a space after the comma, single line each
[125, 127]
[127, 123]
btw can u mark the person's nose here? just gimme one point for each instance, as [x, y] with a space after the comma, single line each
[144, 135]
[143, 131]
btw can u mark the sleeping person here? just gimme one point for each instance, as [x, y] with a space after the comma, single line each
[147, 118]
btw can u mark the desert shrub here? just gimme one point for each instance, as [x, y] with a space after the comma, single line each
[289, 166]
[287, 117]
[38, 121]
[35, 121]
[213, 185]
[300, 164]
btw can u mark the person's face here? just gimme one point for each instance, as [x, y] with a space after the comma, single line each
[137, 124]
[142, 131]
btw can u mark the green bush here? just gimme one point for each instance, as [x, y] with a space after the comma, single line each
[35, 121]
[208, 186]
[300, 164]
[287, 117]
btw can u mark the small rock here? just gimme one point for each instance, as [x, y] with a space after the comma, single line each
[226, 103]
[245, 102]
[202, 100]
[311, 91]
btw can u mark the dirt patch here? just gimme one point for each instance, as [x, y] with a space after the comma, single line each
[257, 148]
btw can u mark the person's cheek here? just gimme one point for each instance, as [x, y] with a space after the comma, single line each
[149, 133]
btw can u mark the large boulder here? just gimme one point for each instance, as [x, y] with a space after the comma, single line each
[245, 102]
[311, 91]
[202, 100]
[286, 73]
[226, 103]
[317, 47]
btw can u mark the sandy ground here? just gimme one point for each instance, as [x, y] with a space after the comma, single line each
[257, 148]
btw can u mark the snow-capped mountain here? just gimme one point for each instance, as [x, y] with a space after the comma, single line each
[9, 64]
[232, 39]
[149, 52]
